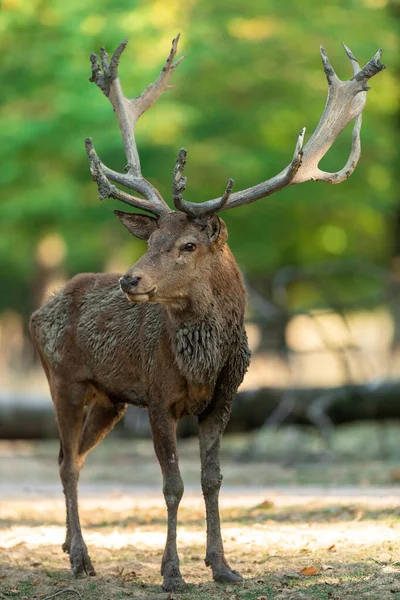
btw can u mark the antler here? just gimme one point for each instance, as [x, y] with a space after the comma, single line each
[105, 76]
[179, 186]
[345, 102]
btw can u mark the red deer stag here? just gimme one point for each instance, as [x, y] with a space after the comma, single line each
[168, 335]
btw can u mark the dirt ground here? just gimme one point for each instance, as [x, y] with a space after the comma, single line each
[301, 527]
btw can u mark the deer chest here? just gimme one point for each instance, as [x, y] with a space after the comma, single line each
[198, 397]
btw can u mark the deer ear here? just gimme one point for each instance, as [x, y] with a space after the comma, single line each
[217, 231]
[141, 226]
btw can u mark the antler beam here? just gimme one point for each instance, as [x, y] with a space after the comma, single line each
[345, 102]
[105, 76]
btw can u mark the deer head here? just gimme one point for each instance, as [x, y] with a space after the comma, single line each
[181, 251]
[191, 238]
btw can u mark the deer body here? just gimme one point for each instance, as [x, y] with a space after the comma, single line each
[182, 352]
[145, 354]
[169, 334]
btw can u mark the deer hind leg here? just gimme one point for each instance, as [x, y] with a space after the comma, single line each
[211, 427]
[98, 420]
[67, 544]
[164, 437]
[69, 400]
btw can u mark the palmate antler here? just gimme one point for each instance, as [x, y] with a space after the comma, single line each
[345, 102]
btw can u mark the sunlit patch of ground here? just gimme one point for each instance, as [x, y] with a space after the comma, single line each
[351, 542]
[320, 541]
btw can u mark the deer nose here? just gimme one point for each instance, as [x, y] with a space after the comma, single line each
[128, 283]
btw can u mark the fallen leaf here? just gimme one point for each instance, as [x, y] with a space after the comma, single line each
[130, 576]
[262, 598]
[332, 548]
[36, 582]
[266, 504]
[309, 571]
[358, 515]
[326, 567]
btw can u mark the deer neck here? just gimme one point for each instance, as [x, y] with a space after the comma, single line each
[203, 331]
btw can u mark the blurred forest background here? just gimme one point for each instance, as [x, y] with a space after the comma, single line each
[322, 263]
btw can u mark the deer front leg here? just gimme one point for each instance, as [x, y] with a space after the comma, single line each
[69, 402]
[211, 427]
[163, 429]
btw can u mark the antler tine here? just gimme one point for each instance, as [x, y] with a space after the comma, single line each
[105, 75]
[154, 90]
[227, 193]
[345, 102]
[179, 187]
[353, 61]
[179, 181]
[331, 76]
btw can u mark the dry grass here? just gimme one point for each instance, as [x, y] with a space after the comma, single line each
[347, 539]
[353, 547]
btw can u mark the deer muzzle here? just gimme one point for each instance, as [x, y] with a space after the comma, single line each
[130, 287]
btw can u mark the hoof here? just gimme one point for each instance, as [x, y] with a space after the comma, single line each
[174, 584]
[66, 548]
[81, 564]
[172, 578]
[224, 574]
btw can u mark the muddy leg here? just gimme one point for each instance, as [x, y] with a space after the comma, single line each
[67, 544]
[211, 427]
[164, 438]
[98, 421]
[69, 402]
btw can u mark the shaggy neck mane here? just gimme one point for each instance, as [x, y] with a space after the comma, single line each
[203, 333]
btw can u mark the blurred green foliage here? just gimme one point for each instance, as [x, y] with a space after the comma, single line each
[251, 79]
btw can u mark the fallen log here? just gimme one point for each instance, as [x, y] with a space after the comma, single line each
[321, 407]
[32, 416]
[345, 404]
[26, 416]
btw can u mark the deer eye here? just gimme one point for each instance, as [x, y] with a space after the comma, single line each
[189, 247]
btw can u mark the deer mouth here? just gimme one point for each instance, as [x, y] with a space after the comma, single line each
[141, 296]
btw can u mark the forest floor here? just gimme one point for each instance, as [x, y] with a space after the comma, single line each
[298, 524]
